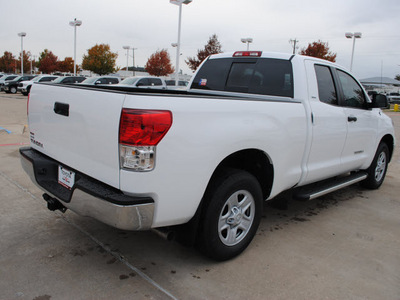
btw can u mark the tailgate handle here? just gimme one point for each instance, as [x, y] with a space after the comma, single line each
[61, 109]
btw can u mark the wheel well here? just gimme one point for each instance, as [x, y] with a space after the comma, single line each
[389, 141]
[255, 162]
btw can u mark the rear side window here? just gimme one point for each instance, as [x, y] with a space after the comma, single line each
[263, 76]
[326, 87]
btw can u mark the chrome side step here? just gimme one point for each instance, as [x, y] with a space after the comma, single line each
[312, 192]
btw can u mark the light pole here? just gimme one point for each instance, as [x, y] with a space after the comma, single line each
[22, 34]
[179, 3]
[354, 36]
[75, 23]
[133, 61]
[248, 41]
[127, 48]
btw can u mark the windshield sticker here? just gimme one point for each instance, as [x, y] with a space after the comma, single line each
[203, 82]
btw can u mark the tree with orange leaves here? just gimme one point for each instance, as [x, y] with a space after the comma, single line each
[320, 50]
[159, 64]
[100, 60]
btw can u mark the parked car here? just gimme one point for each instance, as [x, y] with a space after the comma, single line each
[69, 79]
[25, 86]
[11, 86]
[171, 82]
[149, 82]
[394, 98]
[101, 80]
[6, 78]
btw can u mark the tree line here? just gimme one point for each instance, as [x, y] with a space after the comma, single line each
[101, 60]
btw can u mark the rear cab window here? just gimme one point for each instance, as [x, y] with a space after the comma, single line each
[265, 76]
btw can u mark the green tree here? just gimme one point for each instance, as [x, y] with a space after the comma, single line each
[48, 62]
[7, 62]
[213, 46]
[159, 64]
[100, 60]
[320, 50]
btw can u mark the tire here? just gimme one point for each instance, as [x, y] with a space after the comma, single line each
[377, 170]
[231, 216]
[13, 90]
[25, 93]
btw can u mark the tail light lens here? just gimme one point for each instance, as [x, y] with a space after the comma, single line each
[140, 131]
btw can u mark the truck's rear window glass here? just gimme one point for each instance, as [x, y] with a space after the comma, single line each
[263, 76]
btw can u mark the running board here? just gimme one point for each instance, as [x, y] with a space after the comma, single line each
[312, 192]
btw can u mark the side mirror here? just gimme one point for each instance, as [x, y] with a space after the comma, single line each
[379, 101]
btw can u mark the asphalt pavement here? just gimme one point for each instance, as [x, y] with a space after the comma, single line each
[344, 245]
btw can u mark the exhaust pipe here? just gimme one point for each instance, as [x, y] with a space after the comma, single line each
[164, 232]
[53, 204]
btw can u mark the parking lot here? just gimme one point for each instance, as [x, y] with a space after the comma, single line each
[344, 245]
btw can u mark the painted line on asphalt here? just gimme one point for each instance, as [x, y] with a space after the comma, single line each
[117, 255]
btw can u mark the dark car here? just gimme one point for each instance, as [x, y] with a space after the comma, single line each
[5, 78]
[69, 79]
[11, 86]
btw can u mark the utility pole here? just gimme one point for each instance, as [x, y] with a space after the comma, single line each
[294, 42]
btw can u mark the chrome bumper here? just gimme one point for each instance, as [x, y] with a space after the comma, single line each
[131, 213]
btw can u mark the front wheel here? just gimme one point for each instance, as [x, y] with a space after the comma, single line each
[13, 90]
[232, 213]
[378, 168]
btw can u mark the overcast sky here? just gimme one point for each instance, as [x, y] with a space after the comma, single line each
[151, 25]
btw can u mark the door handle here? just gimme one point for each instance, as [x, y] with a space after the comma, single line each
[352, 119]
[61, 109]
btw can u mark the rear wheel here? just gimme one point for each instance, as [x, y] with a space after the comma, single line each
[378, 168]
[233, 206]
[13, 90]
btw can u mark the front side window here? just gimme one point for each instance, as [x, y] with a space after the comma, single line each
[143, 82]
[326, 87]
[353, 93]
[155, 81]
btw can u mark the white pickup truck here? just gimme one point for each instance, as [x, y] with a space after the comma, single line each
[251, 126]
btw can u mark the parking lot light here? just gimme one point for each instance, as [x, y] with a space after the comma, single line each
[354, 36]
[247, 41]
[22, 34]
[179, 3]
[75, 23]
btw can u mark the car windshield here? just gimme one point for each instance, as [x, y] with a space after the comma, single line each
[130, 80]
[18, 77]
[58, 80]
[90, 80]
[36, 78]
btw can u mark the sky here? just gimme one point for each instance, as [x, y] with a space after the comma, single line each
[152, 25]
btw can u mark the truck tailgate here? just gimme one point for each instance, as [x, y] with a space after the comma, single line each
[77, 127]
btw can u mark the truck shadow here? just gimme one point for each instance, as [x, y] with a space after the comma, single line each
[280, 213]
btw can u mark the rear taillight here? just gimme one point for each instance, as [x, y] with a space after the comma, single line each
[140, 131]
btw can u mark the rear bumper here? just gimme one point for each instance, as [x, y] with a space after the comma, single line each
[89, 197]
